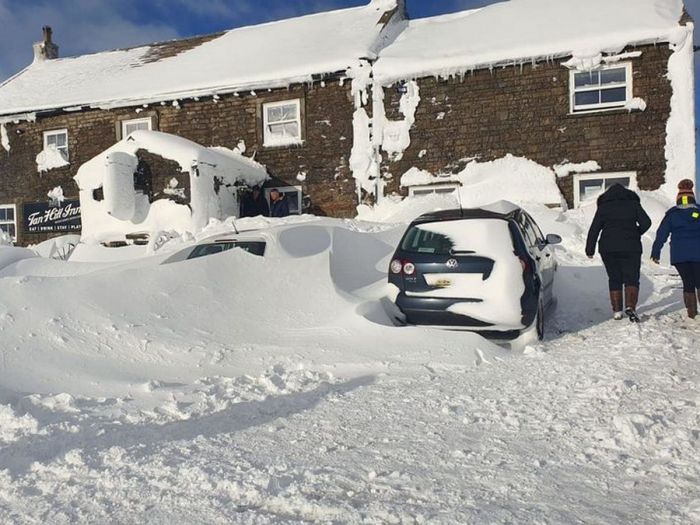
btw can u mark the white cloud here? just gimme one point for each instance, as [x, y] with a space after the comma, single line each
[80, 26]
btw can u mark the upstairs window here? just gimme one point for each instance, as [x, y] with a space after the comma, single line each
[137, 124]
[8, 220]
[58, 140]
[603, 88]
[282, 123]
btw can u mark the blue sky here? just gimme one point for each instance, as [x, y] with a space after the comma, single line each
[83, 26]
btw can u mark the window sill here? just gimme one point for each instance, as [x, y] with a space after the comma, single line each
[280, 145]
[604, 111]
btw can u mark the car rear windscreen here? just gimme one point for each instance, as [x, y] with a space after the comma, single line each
[463, 236]
[252, 247]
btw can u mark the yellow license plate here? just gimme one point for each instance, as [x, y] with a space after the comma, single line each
[443, 283]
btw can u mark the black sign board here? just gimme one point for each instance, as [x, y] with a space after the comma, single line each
[52, 217]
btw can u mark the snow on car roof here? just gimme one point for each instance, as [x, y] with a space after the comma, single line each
[521, 31]
[268, 55]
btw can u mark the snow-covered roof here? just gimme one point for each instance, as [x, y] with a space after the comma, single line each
[231, 165]
[263, 56]
[525, 30]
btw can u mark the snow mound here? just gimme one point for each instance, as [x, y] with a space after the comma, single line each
[50, 158]
[124, 209]
[517, 180]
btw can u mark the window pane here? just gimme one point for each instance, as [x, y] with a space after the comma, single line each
[12, 231]
[625, 181]
[61, 140]
[3, 214]
[609, 76]
[587, 98]
[587, 79]
[130, 127]
[284, 131]
[590, 189]
[445, 191]
[282, 113]
[10, 214]
[613, 95]
[5, 228]
[424, 241]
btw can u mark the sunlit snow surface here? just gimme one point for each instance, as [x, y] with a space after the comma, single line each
[238, 389]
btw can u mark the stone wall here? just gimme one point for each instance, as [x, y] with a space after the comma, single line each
[328, 186]
[525, 111]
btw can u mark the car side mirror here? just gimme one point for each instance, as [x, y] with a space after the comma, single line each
[553, 239]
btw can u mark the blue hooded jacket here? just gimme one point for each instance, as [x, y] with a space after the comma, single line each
[682, 223]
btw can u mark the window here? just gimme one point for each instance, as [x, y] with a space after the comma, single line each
[433, 189]
[8, 220]
[252, 247]
[129, 126]
[282, 123]
[606, 87]
[58, 140]
[293, 196]
[589, 187]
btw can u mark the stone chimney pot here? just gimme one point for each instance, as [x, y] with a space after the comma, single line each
[46, 49]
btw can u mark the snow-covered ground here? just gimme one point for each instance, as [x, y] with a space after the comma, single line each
[238, 389]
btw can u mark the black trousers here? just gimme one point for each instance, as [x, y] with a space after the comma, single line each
[623, 269]
[690, 273]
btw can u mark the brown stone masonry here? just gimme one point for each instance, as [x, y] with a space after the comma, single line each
[328, 187]
[525, 111]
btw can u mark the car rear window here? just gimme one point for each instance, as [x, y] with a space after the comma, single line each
[460, 236]
[252, 247]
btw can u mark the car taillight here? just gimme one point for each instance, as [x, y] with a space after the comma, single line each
[398, 266]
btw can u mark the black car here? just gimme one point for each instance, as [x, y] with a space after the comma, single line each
[488, 270]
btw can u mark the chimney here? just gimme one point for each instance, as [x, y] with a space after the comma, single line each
[46, 49]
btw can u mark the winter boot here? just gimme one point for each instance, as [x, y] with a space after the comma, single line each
[691, 304]
[631, 299]
[616, 302]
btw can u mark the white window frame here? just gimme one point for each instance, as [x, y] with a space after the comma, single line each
[607, 106]
[125, 123]
[285, 190]
[13, 207]
[271, 142]
[578, 177]
[445, 185]
[54, 132]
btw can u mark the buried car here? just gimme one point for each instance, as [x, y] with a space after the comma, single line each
[255, 244]
[488, 270]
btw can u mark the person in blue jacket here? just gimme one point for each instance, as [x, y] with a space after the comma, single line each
[280, 205]
[682, 223]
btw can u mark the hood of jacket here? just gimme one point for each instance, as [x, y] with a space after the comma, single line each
[617, 192]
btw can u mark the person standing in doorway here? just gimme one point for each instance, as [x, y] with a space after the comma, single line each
[279, 206]
[682, 224]
[254, 204]
[618, 226]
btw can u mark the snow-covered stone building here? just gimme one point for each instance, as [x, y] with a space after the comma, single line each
[339, 105]
[280, 91]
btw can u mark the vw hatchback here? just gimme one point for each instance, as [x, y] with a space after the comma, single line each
[488, 270]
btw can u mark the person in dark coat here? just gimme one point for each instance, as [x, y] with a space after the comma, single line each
[254, 204]
[619, 223]
[280, 205]
[682, 224]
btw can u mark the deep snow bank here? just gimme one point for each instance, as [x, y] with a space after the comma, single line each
[112, 330]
